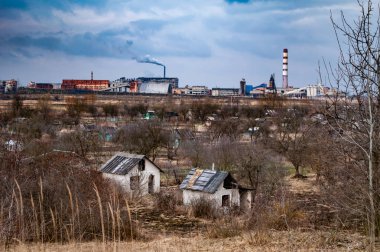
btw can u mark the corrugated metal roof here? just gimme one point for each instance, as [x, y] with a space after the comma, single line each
[121, 163]
[203, 180]
[154, 88]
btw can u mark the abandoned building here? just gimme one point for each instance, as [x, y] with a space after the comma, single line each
[217, 186]
[136, 174]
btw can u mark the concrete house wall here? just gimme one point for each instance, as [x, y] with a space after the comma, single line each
[234, 196]
[144, 177]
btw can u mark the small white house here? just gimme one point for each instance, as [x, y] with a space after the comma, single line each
[13, 145]
[136, 174]
[217, 186]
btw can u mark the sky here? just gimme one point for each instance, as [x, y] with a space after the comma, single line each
[214, 42]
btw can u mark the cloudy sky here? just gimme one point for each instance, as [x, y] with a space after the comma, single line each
[202, 42]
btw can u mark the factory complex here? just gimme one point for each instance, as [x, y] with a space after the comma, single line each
[169, 86]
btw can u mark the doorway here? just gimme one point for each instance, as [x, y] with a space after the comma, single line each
[151, 184]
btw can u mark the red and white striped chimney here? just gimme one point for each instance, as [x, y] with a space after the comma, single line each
[285, 69]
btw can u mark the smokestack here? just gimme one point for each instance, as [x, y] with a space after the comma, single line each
[164, 71]
[285, 69]
[92, 75]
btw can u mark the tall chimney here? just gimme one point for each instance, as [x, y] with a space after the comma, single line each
[285, 69]
[92, 75]
[164, 71]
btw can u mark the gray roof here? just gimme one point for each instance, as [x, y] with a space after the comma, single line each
[154, 88]
[203, 180]
[121, 163]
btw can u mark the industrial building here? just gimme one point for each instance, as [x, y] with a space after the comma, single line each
[192, 90]
[44, 86]
[157, 80]
[123, 85]
[154, 85]
[8, 86]
[243, 85]
[225, 92]
[93, 85]
[155, 88]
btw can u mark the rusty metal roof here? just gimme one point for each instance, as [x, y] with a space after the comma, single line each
[203, 180]
[121, 163]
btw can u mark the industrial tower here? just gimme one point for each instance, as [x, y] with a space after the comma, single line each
[285, 69]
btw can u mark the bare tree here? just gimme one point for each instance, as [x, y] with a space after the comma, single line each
[354, 113]
[80, 142]
[143, 137]
[291, 137]
[228, 128]
[258, 167]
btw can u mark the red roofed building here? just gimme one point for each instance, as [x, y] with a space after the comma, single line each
[85, 84]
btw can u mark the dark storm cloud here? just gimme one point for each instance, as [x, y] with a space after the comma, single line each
[86, 44]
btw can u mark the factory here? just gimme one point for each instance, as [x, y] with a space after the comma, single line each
[8, 86]
[156, 85]
[43, 86]
[224, 92]
[91, 84]
[170, 85]
[192, 90]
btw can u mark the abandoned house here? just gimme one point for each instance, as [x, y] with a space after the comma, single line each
[217, 186]
[136, 174]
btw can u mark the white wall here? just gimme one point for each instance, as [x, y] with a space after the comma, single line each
[189, 196]
[124, 180]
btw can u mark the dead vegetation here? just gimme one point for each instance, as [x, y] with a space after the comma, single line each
[52, 192]
[247, 241]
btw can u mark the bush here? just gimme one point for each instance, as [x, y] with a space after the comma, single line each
[225, 228]
[167, 201]
[54, 198]
[203, 208]
[110, 110]
[279, 216]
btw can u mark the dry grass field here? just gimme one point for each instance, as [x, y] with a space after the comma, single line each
[201, 238]
[251, 241]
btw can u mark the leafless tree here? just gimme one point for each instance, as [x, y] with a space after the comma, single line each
[257, 166]
[354, 111]
[80, 142]
[143, 137]
[228, 128]
[291, 137]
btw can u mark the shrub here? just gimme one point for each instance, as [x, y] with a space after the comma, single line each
[54, 198]
[110, 110]
[203, 208]
[279, 216]
[225, 228]
[167, 201]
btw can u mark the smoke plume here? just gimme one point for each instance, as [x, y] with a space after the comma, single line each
[150, 60]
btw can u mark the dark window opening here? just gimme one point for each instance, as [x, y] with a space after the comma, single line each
[135, 180]
[226, 200]
[142, 165]
[151, 184]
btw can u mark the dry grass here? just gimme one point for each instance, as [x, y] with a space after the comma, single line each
[252, 241]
